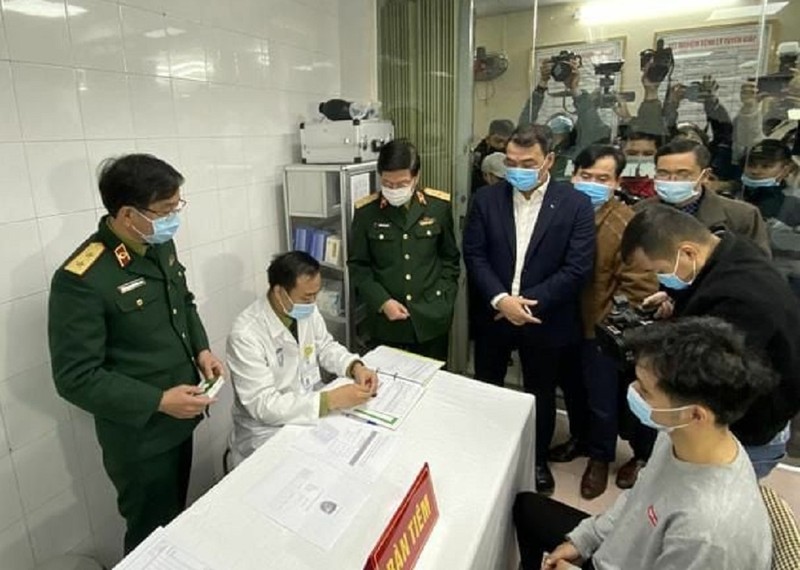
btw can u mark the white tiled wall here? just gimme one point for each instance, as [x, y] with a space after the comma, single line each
[217, 89]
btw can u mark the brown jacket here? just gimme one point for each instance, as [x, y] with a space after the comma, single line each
[736, 216]
[612, 276]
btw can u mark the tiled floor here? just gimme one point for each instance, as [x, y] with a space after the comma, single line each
[784, 480]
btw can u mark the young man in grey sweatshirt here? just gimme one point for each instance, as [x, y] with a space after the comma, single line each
[696, 505]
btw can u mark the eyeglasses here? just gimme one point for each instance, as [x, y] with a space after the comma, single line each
[176, 210]
[680, 176]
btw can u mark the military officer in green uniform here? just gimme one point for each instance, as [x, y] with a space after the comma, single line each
[403, 257]
[126, 342]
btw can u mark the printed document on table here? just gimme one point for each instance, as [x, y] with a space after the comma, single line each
[402, 364]
[310, 498]
[157, 552]
[395, 399]
[355, 447]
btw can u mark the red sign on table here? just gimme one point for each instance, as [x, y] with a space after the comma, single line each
[408, 531]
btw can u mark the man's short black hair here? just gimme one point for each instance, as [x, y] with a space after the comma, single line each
[528, 136]
[398, 154]
[287, 267]
[501, 127]
[657, 140]
[136, 180]
[682, 146]
[702, 360]
[768, 151]
[658, 229]
[591, 154]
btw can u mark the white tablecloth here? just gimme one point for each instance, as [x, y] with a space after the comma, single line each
[478, 440]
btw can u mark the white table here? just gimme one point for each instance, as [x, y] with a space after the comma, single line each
[478, 440]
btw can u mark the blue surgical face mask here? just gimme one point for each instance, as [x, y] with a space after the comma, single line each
[299, 311]
[522, 179]
[677, 191]
[164, 228]
[759, 183]
[672, 281]
[644, 412]
[598, 193]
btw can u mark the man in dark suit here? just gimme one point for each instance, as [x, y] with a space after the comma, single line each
[529, 249]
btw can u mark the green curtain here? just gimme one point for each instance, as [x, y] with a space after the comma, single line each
[417, 76]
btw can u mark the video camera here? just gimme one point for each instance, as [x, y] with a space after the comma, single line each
[610, 332]
[608, 98]
[663, 62]
[562, 65]
[774, 83]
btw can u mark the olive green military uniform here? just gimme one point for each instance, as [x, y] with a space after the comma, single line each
[408, 254]
[123, 327]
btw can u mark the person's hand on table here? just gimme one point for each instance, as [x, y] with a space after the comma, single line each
[666, 306]
[184, 402]
[562, 557]
[210, 366]
[365, 377]
[395, 310]
[517, 310]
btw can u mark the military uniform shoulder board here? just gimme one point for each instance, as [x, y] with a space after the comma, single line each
[361, 202]
[81, 263]
[438, 194]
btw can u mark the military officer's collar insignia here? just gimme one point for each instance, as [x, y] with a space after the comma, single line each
[123, 257]
[171, 259]
[427, 221]
[421, 198]
[384, 202]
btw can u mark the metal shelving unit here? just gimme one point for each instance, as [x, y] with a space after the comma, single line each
[321, 197]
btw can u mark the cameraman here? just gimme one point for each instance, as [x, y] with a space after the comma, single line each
[598, 170]
[721, 142]
[730, 278]
[589, 127]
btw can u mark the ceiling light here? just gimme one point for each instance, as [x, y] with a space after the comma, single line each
[746, 11]
[615, 11]
[42, 8]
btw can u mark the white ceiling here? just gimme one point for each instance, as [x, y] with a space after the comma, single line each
[492, 7]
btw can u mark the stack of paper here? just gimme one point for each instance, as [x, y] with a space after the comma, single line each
[157, 552]
[402, 364]
[402, 378]
[321, 484]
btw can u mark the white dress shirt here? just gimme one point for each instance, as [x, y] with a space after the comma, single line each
[526, 213]
[276, 379]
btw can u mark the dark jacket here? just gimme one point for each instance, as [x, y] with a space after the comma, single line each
[409, 255]
[558, 263]
[718, 212]
[123, 328]
[743, 287]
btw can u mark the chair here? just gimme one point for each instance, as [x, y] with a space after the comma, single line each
[785, 534]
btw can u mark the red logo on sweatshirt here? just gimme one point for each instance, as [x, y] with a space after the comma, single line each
[652, 516]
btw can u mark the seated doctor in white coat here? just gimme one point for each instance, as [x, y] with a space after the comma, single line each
[274, 353]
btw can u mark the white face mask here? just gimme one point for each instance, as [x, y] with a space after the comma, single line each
[398, 196]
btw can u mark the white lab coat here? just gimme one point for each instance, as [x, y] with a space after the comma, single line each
[274, 376]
